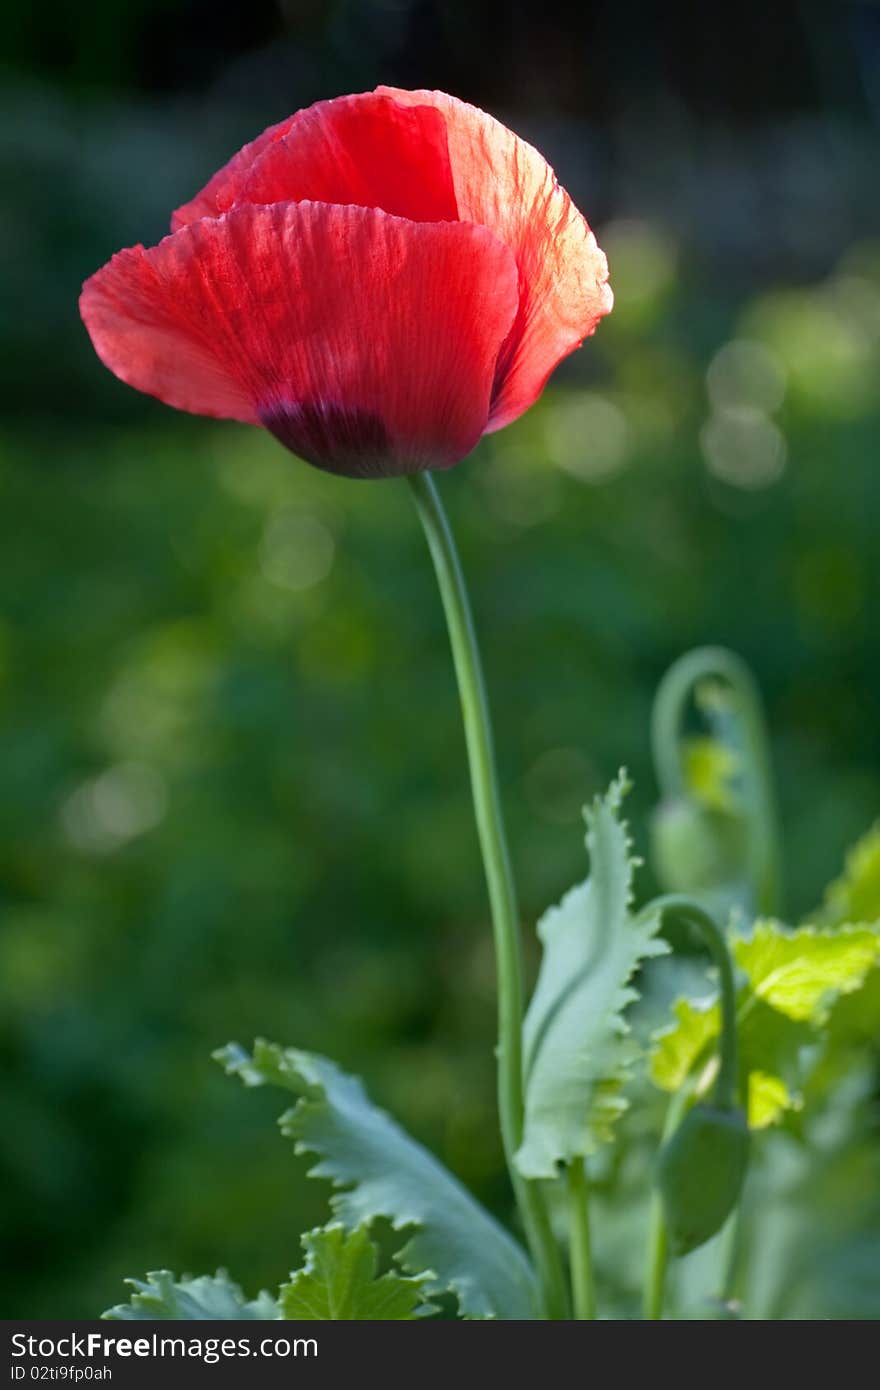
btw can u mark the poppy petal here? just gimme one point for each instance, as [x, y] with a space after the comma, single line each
[219, 193]
[142, 314]
[367, 343]
[369, 150]
[503, 183]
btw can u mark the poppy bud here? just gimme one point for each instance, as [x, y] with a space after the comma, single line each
[695, 849]
[700, 1172]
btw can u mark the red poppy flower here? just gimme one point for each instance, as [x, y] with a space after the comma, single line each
[379, 280]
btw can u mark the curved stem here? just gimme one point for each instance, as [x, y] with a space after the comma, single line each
[727, 1079]
[499, 878]
[674, 691]
[582, 1283]
[658, 1245]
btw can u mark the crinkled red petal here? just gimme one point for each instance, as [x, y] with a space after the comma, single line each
[503, 183]
[369, 150]
[366, 342]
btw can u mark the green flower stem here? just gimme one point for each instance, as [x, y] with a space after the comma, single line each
[765, 858]
[502, 897]
[658, 1245]
[582, 1282]
[727, 1080]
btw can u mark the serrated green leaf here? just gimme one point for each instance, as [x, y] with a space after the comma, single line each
[855, 896]
[800, 973]
[160, 1296]
[578, 1049]
[678, 1046]
[385, 1173]
[338, 1281]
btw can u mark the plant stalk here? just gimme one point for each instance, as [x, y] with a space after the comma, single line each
[582, 1281]
[530, 1196]
[658, 1246]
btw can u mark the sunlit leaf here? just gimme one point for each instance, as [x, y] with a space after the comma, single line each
[768, 1098]
[678, 1046]
[801, 972]
[384, 1173]
[578, 1047]
[770, 1045]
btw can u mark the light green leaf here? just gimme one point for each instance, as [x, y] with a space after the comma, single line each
[769, 1043]
[855, 896]
[800, 973]
[338, 1281]
[768, 1098]
[678, 1046]
[160, 1297]
[578, 1049]
[385, 1173]
[794, 988]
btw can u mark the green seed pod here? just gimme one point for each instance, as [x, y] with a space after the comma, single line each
[694, 848]
[700, 1172]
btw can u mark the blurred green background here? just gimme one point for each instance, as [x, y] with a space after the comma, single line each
[234, 796]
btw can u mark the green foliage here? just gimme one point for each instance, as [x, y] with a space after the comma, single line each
[381, 1172]
[679, 1045]
[813, 1214]
[855, 895]
[792, 983]
[578, 1046]
[800, 973]
[161, 1296]
[768, 1096]
[775, 1060]
[339, 1281]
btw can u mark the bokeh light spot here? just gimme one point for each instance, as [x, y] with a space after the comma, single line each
[297, 550]
[587, 436]
[745, 374]
[743, 448]
[123, 802]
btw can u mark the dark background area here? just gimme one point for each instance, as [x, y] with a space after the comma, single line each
[234, 798]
